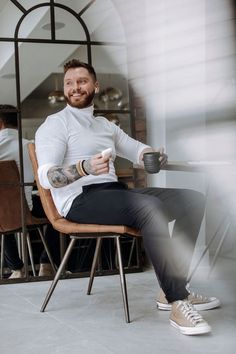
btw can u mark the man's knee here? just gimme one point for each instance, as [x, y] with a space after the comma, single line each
[194, 199]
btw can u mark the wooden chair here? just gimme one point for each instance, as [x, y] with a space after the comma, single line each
[10, 211]
[77, 231]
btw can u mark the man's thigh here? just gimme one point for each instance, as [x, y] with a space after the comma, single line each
[117, 207]
[176, 201]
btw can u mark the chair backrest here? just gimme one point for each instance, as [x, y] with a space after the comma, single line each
[45, 194]
[10, 198]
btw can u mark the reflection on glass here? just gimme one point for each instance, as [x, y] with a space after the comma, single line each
[104, 22]
[7, 74]
[27, 4]
[51, 60]
[33, 24]
[41, 64]
[113, 93]
[110, 59]
[72, 29]
[9, 14]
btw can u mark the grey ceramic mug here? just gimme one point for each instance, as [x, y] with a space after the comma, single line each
[151, 162]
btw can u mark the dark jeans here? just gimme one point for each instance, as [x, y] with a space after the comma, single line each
[149, 210]
[11, 254]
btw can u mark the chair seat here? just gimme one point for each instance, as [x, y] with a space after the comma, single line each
[68, 227]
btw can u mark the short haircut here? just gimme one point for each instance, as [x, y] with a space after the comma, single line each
[75, 63]
[8, 115]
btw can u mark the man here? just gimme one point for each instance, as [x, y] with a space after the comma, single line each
[9, 150]
[85, 189]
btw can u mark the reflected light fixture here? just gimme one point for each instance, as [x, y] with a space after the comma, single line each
[123, 105]
[8, 76]
[110, 94]
[58, 25]
[56, 96]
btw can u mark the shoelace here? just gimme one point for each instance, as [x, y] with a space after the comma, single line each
[198, 296]
[189, 312]
[195, 295]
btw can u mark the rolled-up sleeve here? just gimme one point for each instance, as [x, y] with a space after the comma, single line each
[42, 175]
[126, 146]
[50, 141]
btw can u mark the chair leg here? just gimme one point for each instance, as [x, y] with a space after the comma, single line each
[94, 264]
[122, 280]
[31, 255]
[2, 254]
[58, 273]
[131, 251]
[19, 244]
[47, 249]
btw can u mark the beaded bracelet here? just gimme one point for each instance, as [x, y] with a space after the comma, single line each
[80, 170]
[82, 166]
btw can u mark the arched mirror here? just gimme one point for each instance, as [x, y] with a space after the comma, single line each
[40, 37]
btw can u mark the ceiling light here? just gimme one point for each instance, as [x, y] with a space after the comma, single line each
[110, 94]
[58, 25]
[8, 76]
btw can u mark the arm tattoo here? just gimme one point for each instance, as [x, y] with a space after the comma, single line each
[61, 176]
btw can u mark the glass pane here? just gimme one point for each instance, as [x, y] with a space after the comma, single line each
[38, 78]
[50, 59]
[113, 93]
[7, 74]
[9, 16]
[27, 4]
[79, 53]
[75, 5]
[111, 59]
[70, 26]
[103, 22]
[36, 24]
[111, 67]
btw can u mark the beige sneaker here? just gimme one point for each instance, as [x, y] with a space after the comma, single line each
[200, 302]
[185, 317]
[46, 270]
[16, 274]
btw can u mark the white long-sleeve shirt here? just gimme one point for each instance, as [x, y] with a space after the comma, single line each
[75, 134]
[9, 150]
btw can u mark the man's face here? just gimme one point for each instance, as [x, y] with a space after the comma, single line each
[79, 87]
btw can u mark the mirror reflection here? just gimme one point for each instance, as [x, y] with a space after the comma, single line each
[40, 90]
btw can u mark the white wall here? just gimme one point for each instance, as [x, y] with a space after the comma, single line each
[182, 62]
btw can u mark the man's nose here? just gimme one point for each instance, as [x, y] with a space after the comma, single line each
[76, 86]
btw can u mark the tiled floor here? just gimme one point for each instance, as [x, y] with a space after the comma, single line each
[75, 323]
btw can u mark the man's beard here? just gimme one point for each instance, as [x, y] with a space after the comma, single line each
[87, 101]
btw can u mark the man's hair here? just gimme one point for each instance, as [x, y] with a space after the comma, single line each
[8, 115]
[75, 63]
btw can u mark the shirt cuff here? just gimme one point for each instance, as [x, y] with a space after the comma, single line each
[42, 175]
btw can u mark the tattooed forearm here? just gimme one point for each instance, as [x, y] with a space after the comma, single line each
[61, 176]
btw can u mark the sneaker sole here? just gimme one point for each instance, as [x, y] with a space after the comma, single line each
[214, 303]
[192, 331]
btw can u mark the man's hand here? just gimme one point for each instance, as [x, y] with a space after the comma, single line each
[163, 158]
[97, 165]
